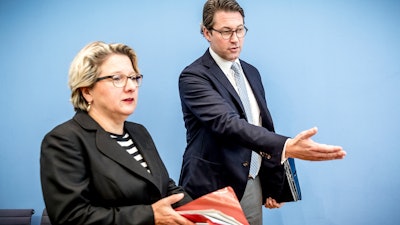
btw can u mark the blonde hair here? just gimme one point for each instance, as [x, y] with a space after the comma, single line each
[85, 68]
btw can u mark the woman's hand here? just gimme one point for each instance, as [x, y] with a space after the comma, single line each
[165, 214]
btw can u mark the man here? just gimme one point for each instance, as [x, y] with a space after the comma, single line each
[226, 127]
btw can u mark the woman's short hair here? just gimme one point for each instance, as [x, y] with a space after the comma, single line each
[85, 68]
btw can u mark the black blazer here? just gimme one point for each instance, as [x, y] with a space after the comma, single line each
[88, 178]
[219, 139]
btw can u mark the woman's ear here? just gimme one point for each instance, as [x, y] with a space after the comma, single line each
[87, 94]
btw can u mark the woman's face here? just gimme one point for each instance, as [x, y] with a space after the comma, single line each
[108, 101]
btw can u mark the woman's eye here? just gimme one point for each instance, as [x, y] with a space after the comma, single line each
[117, 78]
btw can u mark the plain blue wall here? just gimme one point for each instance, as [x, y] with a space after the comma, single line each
[331, 64]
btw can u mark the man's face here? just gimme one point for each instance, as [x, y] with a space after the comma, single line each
[229, 49]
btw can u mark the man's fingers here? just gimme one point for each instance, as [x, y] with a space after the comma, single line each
[337, 155]
[332, 151]
[323, 154]
[324, 148]
[271, 203]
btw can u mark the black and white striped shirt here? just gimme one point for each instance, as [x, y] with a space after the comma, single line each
[126, 142]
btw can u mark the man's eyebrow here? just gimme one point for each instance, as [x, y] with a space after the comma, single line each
[229, 28]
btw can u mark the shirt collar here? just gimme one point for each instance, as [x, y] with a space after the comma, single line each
[225, 65]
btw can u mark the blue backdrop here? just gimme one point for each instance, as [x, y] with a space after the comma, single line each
[331, 64]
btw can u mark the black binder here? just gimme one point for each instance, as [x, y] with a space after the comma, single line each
[291, 191]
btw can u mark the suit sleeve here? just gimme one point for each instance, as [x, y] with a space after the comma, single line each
[211, 105]
[174, 189]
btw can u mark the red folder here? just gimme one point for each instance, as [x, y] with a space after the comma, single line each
[218, 207]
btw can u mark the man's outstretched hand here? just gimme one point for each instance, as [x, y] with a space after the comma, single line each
[302, 147]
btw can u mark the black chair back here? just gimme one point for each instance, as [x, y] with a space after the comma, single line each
[16, 216]
[45, 218]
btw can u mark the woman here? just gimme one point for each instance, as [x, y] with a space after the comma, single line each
[97, 168]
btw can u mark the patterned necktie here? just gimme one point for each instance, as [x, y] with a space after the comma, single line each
[255, 162]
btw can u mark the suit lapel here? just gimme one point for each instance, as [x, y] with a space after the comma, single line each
[255, 86]
[254, 83]
[221, 77]
[259, 94]
[149, 153]
[114, 151]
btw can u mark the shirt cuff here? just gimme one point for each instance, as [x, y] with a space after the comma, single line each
[283, 158]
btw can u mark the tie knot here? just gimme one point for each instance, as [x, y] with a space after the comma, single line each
[235, 67]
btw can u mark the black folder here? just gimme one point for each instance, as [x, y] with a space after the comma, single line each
[291, 191]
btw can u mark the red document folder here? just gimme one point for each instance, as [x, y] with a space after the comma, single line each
[218, 207]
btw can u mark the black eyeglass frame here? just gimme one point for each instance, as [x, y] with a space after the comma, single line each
[137, 78]
[231, 33]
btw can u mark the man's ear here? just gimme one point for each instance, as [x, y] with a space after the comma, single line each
[206, 33]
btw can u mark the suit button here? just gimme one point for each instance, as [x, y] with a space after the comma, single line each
[265, 155]
[245, 164]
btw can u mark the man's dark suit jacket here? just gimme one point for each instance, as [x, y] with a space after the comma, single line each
[219, 139]
[88, 178]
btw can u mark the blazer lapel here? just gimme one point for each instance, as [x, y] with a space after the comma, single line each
[114, 151]
[111, 148]
[209, 62]
[149, 153]
[254, 83]
[259, 94]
